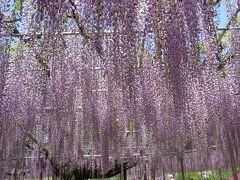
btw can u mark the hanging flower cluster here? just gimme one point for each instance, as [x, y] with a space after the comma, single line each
[93, 85]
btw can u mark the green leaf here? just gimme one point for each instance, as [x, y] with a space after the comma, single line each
[225, 38]
[238, 19]
[17, 6]
[202, 47]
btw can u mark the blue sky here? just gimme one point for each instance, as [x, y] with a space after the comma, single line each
[222, 14]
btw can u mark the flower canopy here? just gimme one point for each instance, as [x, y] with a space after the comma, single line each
[92, 84]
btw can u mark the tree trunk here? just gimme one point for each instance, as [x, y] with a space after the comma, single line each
[220, 174]
[163, 173]
[153, 172]
[182, 168]
[125, 174]
[231, 152]
[145, 172]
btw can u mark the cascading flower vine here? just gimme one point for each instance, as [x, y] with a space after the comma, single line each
[90, 89]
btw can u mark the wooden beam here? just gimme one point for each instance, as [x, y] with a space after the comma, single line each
[11, 21]
[78, 21]
[230, 28]
[81, 29]
[74, 33]
[117, 169]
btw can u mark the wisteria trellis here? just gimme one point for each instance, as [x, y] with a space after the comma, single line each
[91, 83]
